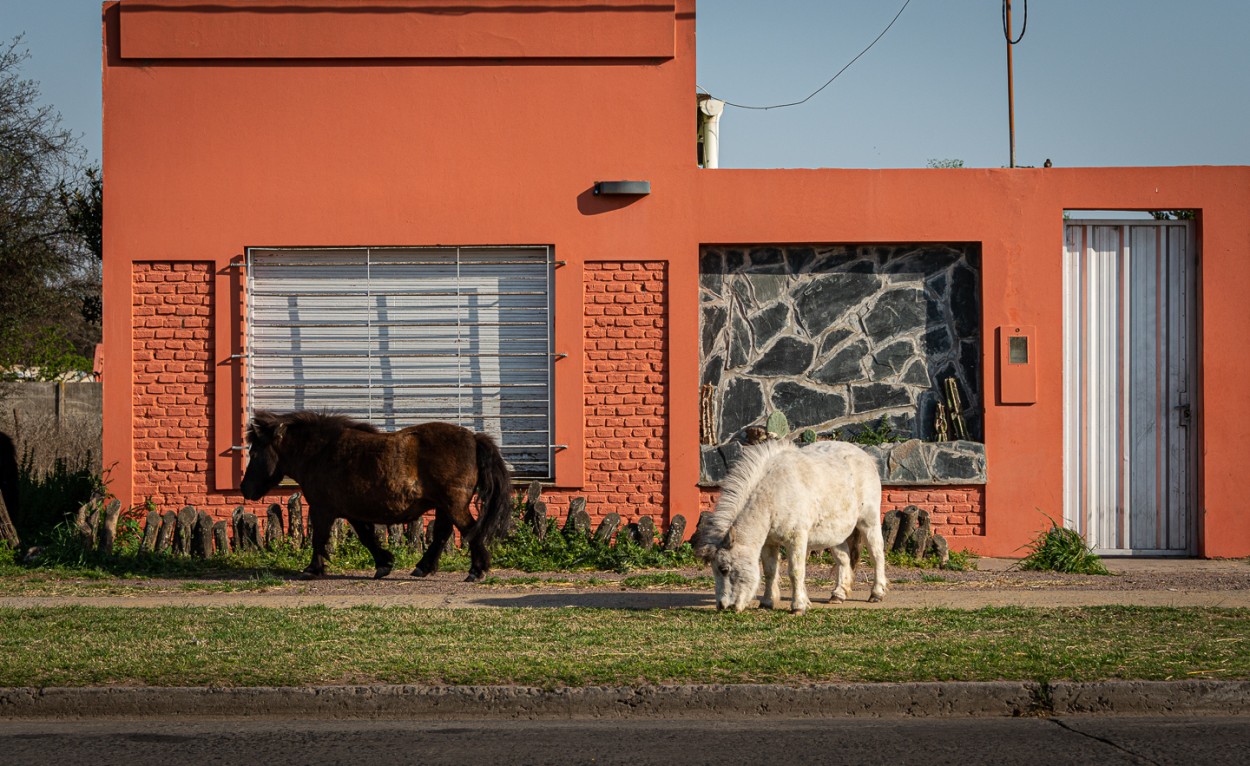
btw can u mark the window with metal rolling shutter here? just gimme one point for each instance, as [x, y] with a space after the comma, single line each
[401, 336]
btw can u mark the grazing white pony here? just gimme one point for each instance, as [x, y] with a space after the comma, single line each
[780, 495]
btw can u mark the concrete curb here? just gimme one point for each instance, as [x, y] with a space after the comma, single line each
[1191, 696]
[905, 700]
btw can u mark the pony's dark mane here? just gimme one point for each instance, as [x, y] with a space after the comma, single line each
[328, 421]
[318, 420]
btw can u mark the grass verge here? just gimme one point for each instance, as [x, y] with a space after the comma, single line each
[248, 646]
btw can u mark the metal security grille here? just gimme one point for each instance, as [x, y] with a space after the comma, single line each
[401, 336]
[1129, 361]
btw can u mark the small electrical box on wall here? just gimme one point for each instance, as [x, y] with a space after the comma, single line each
[1017, 364]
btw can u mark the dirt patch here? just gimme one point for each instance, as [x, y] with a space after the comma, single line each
[994, 582]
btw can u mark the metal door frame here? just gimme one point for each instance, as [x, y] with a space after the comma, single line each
[1076, 441]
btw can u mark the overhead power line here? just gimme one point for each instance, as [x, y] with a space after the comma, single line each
[831, 79]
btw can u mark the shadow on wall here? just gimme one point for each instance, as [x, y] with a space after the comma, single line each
[589, 203]
[837, 337]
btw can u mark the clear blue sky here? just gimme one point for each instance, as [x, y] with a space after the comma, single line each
[1098, 82]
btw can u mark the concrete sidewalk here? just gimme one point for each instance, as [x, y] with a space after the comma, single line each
[1140, 582]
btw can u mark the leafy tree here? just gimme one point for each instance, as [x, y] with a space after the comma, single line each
[944, 163]
[50, 218]
[1172, 215]
[83, 203]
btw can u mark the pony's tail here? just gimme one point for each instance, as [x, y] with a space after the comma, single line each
[494, 490]
[855, 544]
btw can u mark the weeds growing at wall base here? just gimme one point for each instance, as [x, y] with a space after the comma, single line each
[1061, 550]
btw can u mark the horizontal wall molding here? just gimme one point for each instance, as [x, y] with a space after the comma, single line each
[403, 29]
[912, 463]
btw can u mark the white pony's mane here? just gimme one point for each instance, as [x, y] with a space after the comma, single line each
[737, 486]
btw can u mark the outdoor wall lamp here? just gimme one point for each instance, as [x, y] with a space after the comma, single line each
[635, 188]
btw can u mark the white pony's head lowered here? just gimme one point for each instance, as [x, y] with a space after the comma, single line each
[736, 568]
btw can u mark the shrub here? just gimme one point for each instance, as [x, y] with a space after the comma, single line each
[1061, 550]
[557, 552]
[46, 500]
[870, 435]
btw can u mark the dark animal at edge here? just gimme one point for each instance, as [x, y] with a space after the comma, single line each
[351, 470]
[8, 477]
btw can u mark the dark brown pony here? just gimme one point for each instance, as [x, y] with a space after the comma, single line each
[350, 470]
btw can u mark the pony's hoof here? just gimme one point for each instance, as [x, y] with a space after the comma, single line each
[307, 575]
[381, 572]
[836, 599]
[875, 598]
[474, 577]
[798, 612]
[419, 572]
[766, 605]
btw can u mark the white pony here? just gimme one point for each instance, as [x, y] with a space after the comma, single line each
[779, 495]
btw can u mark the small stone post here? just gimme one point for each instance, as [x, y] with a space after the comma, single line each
[295, 520]
[150, 527]
[108, 527]
[920, 538]
[907, 528]
[273, 526]
[221, 539]
[86, 532]
[889, 528]
[202, 536]
[338, 533]
[165, 537]
[537, 518]
[645, 531]
[676, 532]
[533, 499]
[249, 525]
[607, 528]
[91, 533]
[578, 521]
[414, 536]
[941, 549]
[182, 536]
[236, 527]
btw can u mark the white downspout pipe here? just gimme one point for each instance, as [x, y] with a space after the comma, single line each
[711, 110]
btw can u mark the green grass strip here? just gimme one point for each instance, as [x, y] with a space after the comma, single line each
[249, 646]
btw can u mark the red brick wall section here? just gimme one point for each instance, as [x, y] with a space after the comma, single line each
[955, 511]
[173, 374]
[626, 464]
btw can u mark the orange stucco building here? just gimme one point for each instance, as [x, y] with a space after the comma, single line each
[241, 132]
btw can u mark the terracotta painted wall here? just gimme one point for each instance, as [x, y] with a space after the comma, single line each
[206, 157]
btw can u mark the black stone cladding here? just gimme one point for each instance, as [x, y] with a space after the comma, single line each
[838, 336]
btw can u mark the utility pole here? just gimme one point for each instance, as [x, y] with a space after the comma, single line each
[1011, 97]
[1011, 91]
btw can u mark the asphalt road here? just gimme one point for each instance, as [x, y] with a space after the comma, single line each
[1049, 741]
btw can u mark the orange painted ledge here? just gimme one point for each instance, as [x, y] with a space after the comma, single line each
[421, 29]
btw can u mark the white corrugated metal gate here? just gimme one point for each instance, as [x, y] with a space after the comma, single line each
[401, 336]
[1129, 385]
